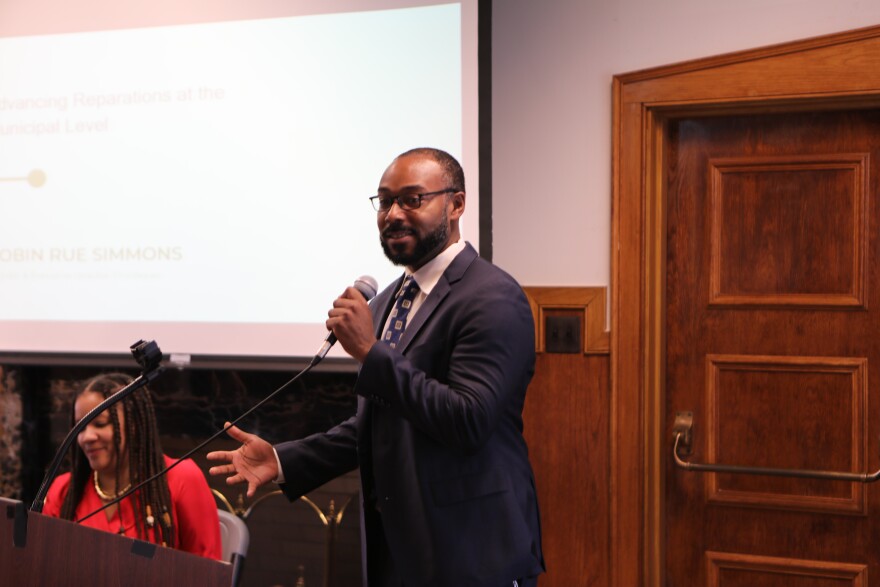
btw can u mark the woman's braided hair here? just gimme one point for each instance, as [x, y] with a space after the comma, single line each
[145, 459]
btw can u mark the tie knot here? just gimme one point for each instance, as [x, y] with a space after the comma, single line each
[409, 289]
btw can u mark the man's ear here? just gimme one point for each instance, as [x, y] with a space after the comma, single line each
[458, 204]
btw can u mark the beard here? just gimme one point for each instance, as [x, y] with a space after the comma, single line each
[426, 247]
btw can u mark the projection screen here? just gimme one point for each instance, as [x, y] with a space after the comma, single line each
[199, 175]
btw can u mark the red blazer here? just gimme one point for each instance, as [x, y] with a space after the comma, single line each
[194, 509]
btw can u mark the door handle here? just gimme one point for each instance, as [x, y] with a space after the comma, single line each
[682, 432]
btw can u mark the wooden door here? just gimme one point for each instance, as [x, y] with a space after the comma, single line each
[772, 320]
[784, 335]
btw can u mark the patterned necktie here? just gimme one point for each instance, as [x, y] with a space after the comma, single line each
[397, 322]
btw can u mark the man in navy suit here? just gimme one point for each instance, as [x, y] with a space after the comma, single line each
[448, 492]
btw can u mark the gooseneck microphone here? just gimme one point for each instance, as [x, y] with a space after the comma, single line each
[149, 356]
[368, 286]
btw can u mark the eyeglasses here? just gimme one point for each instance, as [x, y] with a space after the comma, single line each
[405, 201]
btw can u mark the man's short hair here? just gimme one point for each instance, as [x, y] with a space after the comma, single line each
[452, 171]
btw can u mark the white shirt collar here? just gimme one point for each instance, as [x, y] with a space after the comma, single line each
[429, 274]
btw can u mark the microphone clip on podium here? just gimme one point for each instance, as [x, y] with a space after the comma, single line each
[148, 356]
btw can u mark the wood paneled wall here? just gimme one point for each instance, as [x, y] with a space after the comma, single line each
[567, 428]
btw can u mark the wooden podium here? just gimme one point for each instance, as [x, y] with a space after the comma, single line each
[38, 550]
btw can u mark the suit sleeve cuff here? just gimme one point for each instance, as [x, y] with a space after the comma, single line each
[280, 478]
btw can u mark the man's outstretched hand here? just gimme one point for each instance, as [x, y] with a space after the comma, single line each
[254, 462]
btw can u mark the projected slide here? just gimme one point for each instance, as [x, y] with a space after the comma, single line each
[209, 174]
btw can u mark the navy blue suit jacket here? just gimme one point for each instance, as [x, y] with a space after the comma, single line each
[438, 435]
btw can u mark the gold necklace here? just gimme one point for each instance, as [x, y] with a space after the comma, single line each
[104, 496]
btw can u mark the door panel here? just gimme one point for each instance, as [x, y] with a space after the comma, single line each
[771, 325]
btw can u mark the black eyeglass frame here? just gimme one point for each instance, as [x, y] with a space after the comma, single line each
[377, 200]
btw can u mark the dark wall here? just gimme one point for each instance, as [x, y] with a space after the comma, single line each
[288, 540]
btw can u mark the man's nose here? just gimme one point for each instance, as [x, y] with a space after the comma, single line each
[395, 211]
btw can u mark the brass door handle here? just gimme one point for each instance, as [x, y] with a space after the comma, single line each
[682, 432]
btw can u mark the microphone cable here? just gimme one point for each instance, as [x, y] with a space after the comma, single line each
[365, 284]
[164, 471]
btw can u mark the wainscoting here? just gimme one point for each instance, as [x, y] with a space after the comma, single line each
[567, 428]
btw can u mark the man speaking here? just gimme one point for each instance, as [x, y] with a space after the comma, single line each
[446, 355]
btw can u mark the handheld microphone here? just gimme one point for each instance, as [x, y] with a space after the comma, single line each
[368, 286]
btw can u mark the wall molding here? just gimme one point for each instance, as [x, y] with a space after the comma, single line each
[587, 302]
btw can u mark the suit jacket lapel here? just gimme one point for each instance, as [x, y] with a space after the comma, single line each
[453, 274]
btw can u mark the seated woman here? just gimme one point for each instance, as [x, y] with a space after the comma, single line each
[119, 449]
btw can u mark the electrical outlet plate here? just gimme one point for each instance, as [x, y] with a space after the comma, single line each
[562, 334]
